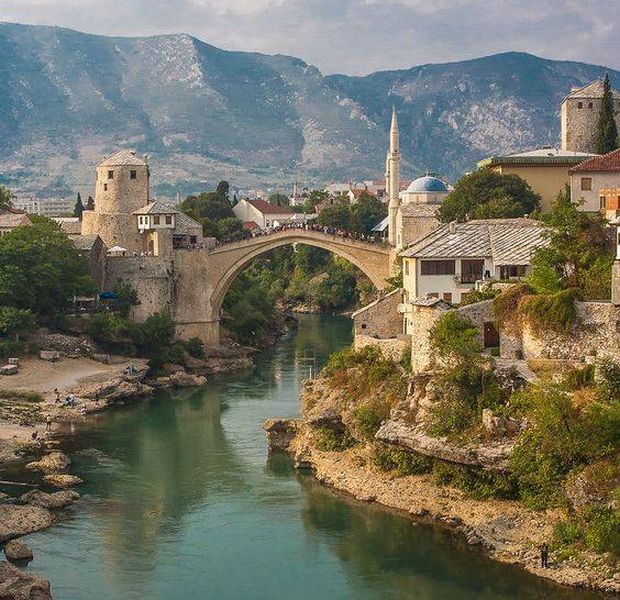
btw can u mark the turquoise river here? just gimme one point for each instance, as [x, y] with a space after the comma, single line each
[182, 502]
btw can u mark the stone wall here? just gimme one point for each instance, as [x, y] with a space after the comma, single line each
[421, 321]
[392, 348]
[579, 124]
[479, 314]
[380, 319]
[151, 276]
[597, 333]
[615, 284]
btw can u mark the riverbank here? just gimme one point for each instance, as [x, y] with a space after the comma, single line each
[505, 530]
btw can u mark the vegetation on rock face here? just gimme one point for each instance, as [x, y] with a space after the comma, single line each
[606, 129]
[485, 194]
[6, 197]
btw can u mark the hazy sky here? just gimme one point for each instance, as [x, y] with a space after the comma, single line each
[354, 36]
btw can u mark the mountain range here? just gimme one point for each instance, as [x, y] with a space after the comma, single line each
[205, 114]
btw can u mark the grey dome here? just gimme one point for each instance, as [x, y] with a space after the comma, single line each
[427, 184]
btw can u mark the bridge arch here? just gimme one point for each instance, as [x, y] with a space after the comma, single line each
[370, 259]
[202, 277]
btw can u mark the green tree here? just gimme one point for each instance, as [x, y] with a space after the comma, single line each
[40, 268]
[230, 228]
[6, 197]
[209, 208]
[338, 215]
[223, 189]
[606, 130]
[485, 194]
[279, 199]
[366, 213]
[15, 321]
[90, 203]
[126, 297]
[79, 207]
[578, 255]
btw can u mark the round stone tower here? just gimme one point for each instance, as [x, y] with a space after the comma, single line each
[121, 187]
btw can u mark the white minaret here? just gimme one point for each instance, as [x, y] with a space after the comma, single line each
[394, 178]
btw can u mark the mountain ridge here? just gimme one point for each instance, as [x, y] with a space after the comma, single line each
[204, 113]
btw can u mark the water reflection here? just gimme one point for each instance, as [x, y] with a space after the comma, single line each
[183, 502]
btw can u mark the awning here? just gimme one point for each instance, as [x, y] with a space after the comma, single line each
[381, 226]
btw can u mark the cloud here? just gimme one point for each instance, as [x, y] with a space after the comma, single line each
[354, 36]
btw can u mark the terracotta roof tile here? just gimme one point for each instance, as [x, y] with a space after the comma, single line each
[269, 209]
[598, 164]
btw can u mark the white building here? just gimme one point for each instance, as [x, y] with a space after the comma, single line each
[425, 190]
[49, 207]
[590, 178]
[264, 214]
[447, 262]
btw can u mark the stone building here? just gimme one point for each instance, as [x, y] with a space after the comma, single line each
[11, 218]
[449, 261]
[592, 182]
[546, 170]
[121, 187]
[579, 115]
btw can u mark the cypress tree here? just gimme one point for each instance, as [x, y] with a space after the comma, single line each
[90, 204]
[79, 207]
[606, 130]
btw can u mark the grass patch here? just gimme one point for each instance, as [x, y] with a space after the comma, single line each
[26, 396]
[327, 439]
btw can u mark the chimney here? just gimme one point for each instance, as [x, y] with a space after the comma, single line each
[452, 227]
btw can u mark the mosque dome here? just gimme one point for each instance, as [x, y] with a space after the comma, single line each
[427, 184]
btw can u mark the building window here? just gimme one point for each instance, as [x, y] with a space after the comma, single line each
[511, 272]
[471, 270]
[590, 105]
[105, 187]
[156, 219]
[110, 174]
[133, 174]
[437, 267]
[579, 104]
[363, 325]
[406, 267]
[586, 184]
[447, 296]
[602, 202]
[168, 219]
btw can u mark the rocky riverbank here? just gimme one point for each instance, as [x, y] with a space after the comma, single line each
[504, 529]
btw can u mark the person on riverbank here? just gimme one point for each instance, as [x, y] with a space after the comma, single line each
[544, 556]
[48, 424]
[56, 396]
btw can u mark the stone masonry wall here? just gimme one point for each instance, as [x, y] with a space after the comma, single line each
[479, 314]
[380, 319]
[392, 348]
[597, 333]
[151, 276]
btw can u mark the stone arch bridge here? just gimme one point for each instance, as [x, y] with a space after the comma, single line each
[192, 284]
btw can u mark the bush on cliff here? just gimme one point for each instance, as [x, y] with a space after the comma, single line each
[464, 376]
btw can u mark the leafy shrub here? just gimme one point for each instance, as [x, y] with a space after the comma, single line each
[195, 348]
[10, 348]
[368, 417]
[506, 305]
[330, 440]
[478, 483]
[456, 337]
[555, 312]
[566, 533]
[402, 461]
[602, 531]
[575, 379]
[609, 374]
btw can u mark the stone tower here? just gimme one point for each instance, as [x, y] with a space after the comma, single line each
[121, 187]
[393, 181]
[579, 116]
[615, 273]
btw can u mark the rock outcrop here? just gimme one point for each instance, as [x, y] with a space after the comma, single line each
[50, 463]
[62, 480]
[17, 520]
[16, 551]
[19, 585]
[54, 501]
[280, 433]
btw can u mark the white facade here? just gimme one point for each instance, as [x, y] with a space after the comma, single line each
[49, 207]
[261, 212]
[588, 185]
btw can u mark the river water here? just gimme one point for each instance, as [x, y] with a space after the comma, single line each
[182, 502]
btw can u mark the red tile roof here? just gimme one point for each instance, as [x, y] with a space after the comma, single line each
[249, 225]
[270, 209]
[598, 164]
